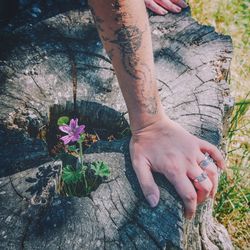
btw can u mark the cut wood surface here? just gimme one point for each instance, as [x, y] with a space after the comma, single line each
[56, 64]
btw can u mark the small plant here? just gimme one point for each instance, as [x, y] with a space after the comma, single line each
[77, 178]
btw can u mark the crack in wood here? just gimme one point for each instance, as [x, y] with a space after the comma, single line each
[15, 190]
[199, 114]
[165, 84]
[183, 103]
[90, 53]
[40, 89]
[94, 66]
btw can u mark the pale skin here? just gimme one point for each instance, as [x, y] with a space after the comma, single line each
[161, 7]
[158, 144]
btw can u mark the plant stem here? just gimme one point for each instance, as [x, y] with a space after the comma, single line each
[93, 185]
[81, 160]
[81, 154]
[85, 182]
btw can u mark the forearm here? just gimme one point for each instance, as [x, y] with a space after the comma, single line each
[124, 29]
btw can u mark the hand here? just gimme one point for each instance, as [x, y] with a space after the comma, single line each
[168, 148]
[162, 6]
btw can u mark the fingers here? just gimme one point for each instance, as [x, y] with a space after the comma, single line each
[204, 187]
[147, 183]
[168, 5]
[187, 192]
[212, 172]
[213, 151]
[155, 7]
[181, 3]
[160, 6]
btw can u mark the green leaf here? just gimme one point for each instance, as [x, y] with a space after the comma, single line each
[72, 148]
[70, 175]
[100, 168]
[62, 120]
[82, 137]
[83, 169]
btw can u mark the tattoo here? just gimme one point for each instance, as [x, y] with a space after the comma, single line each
[116, 5]
[98, 21]
[129, 39]
[110, 54]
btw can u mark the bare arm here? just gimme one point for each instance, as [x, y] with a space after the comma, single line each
[157, 143]
[127, 39]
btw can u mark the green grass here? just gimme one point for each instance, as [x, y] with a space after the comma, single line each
[232, 17]
[233, 196]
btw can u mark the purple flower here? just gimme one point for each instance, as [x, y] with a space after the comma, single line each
[73, 130]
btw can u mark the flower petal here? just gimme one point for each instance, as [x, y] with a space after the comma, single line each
[79, 129]
[66, 139]
[72, 123]
[75, 137]
[76, 121]
[65, 128]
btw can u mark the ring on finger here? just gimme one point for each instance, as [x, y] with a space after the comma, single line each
[201, 177]
[206, 162]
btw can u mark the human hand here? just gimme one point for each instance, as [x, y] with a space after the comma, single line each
[166, 147]
[162, 6]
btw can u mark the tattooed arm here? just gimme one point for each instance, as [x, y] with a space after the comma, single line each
[126, 37]
[157, 143]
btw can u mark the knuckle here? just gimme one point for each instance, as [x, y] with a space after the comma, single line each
[190, 159]
[215, 149]
[175, 1]
[151, 5]
[213, 173]
[174, 172]
[172, 161]
[136, 163]
[207, 189]
[191, 211]
[190, 197]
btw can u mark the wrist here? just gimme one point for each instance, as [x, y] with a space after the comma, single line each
[143, 121]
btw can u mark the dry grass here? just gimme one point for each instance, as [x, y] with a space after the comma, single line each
[232, 17]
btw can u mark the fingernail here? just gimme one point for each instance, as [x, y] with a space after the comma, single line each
[152, 199]
[177, 9]
[184, 5]
[164, 12]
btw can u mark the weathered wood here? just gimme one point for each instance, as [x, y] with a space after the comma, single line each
[58, 64]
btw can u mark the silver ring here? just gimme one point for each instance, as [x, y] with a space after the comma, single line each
[207, 160]
[201, 177]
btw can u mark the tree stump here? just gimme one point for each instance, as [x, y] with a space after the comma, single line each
[55, 65]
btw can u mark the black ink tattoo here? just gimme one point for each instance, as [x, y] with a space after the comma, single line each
[110, 54]
[98, 21]
[129, 40]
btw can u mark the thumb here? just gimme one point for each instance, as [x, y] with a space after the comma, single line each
[147, 183]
